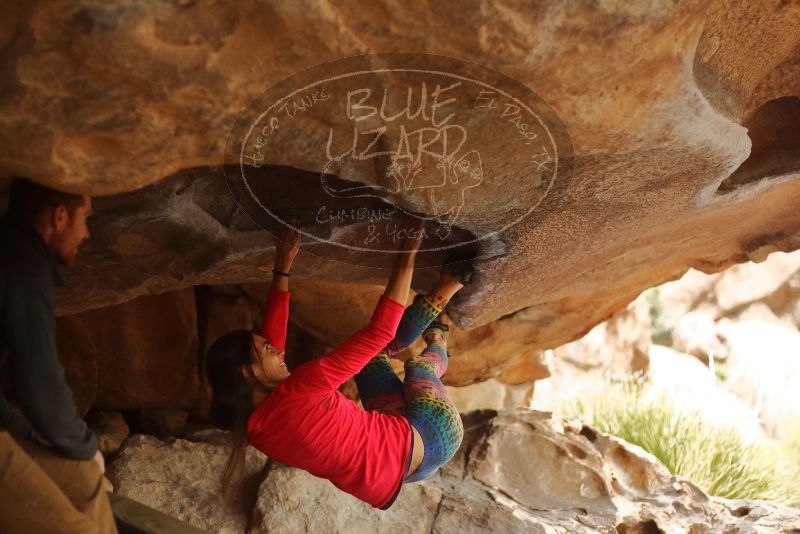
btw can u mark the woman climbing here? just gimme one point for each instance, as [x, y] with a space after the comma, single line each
[406, 431]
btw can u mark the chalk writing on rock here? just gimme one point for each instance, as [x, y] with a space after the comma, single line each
[465, 149]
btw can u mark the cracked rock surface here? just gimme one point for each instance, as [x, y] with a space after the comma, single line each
[680, 118]
[516, 471]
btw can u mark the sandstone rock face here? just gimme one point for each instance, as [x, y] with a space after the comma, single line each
[144, 352]
[774, 282]
[696, 333]
[505, 349]
[76, 349]
[182, 479]
[682, 121]
[517, 471]
[491, 395]
[285, 506]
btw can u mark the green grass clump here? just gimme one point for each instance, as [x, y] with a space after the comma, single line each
[716, 459]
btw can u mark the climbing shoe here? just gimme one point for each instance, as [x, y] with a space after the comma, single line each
[461, 271]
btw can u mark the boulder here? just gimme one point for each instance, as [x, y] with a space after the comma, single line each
[292, 501]
[182, 479]
[761, 311]
[516, 471]
[671, 124]
[773, 282]
[567, 466]
[749, 282]
[755, 517]
[696, 333]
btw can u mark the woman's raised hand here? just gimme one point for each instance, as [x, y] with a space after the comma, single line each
[400, 280]
[286, 248]
[413, 234]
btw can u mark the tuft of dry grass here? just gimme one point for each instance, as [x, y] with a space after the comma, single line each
[717, 459]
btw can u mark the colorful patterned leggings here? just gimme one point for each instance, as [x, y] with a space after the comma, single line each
[421, 398]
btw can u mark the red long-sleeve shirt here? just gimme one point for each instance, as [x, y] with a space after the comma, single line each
[276, 318]
[307, 423]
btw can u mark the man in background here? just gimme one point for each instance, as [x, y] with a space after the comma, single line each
[50, 466]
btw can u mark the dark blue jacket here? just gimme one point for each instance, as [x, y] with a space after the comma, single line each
[28, 278]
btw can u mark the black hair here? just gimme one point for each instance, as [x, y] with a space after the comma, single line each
[27, 199]
[231, 399]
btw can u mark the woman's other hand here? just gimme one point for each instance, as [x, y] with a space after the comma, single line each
[286, 248]
[413, 231]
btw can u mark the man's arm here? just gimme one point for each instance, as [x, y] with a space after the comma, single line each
[38, 376]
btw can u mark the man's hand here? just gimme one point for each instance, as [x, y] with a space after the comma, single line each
[98, 458]
[286, 248]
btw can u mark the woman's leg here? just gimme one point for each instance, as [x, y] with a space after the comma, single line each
[429, 409]
[415, 320]
[378, 385]
[422, 312]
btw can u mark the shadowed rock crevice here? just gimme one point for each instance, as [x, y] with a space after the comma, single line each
[340, 227]
[641, 527]
[774, 129]
[189, 229]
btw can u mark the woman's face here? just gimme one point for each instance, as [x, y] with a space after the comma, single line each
[268, 365]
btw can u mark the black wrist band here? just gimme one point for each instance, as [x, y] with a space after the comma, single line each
[281, 273]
